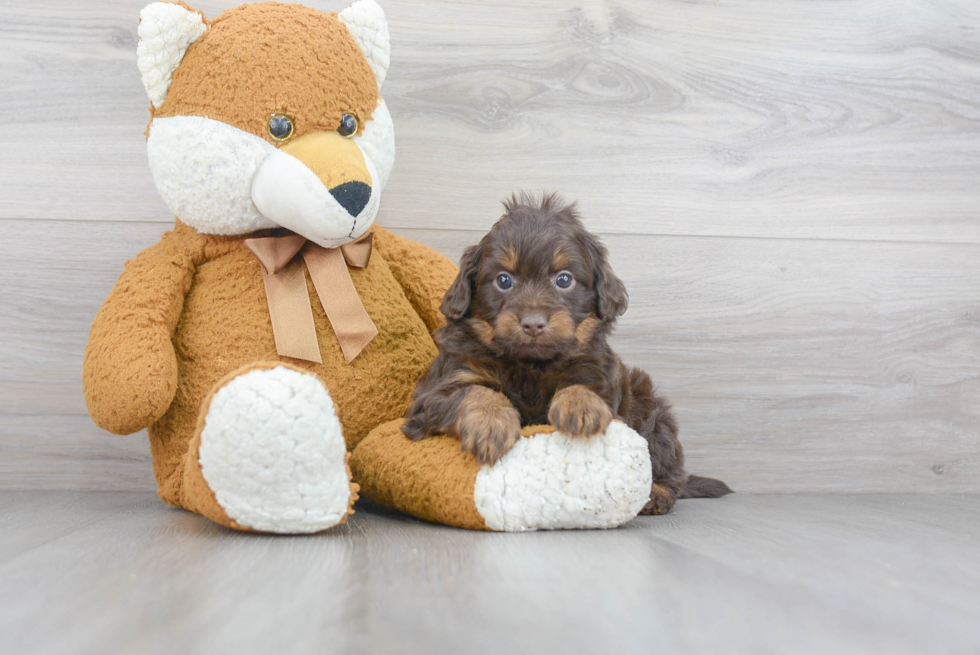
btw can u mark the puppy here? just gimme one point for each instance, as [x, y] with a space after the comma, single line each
[525, 343]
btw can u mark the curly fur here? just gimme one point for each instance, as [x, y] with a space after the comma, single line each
[543, 348]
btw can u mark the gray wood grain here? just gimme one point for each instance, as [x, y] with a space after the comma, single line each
[747, 118]
[744, 574]
[56, 451]
[804, 178]
[29, 519]
[794, 365]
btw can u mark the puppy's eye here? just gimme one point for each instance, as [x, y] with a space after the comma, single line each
[504, 282]
[280, 127]
[564, 280]
[348, 126]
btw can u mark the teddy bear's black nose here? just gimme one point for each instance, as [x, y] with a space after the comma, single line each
[352, 196]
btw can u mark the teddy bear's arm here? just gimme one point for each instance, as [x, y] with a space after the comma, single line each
[423, 273]
[130, 368]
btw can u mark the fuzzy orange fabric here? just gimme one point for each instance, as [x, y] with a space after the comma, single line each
[130, 368]
[431, 479]
[405, 258]
[331, 157]
[192, 308]
[260, 59]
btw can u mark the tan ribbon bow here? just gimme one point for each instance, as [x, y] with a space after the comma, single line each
[289, 302]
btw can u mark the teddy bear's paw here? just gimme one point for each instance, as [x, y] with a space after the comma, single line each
[552, 481]
[272, 452]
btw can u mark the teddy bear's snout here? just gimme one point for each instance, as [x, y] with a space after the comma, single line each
[352, 196]
[335, 160]
[319, 185]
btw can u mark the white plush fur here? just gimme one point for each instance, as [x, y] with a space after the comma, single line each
[377, 142]
[203, 169]
[272, 451]
[552, 481]
[165, 32]
[366, 22]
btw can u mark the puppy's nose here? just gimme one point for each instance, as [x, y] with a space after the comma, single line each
[534, 325]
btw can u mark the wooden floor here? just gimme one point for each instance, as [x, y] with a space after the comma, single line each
[116, 572]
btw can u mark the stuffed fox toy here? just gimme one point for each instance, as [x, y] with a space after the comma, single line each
[276, 329]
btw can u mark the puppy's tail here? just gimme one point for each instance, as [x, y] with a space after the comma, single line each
[698, 487]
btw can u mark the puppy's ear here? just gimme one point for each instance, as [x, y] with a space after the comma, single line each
[456, 302]
[611, 296]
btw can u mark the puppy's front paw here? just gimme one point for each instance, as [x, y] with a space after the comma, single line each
[579, 411]
[661, 500]
[488, 425]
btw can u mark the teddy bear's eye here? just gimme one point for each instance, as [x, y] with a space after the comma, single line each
[348, 126]
[280, 127]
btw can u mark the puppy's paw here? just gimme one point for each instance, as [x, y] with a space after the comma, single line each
[488, 425]
[661, 500]
[579, 411]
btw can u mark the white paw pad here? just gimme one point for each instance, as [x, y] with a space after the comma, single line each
[273, 452]
[553, 482]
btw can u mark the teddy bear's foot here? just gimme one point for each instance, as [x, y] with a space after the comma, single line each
[270, 455]
[552, 481]
[547, 481]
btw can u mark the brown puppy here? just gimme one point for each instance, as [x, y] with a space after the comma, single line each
[525, 343]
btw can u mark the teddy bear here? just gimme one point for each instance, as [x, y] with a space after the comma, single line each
[270, 342]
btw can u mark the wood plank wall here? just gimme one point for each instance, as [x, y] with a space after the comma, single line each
[791, 191]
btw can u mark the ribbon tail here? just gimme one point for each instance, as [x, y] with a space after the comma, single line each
[335, 288]
[291, 313]
[358, 253]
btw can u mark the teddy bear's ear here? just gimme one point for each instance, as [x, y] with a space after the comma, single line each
[166, 30]
[366, 22]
